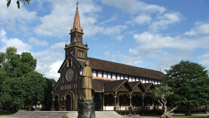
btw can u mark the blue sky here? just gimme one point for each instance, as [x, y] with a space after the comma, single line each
[152, 34]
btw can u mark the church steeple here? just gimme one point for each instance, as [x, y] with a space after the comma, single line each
[76, 24]
[76, 47]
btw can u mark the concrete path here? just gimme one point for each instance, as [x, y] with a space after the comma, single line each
[59, 114]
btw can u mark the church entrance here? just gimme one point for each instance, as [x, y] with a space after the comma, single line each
[148, 100]
[137, 100]
[124, 100]
[68, 103]
[97, 101]
[109, 100]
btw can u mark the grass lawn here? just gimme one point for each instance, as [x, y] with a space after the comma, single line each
[193, 116]
[2, 113]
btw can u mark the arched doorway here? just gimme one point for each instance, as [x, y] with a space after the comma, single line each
[148, 100]
[68, 103]
[137, 100]
[108, 100]
[97, 101]
[56, 103]
[124, 100]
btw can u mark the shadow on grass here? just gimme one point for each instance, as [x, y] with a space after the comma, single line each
[3, 113]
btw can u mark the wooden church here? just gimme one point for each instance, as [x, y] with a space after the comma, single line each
[115, 86]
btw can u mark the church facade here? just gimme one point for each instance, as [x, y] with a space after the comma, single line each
[115, 86]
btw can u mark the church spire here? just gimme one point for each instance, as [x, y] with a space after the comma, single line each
[76, 24]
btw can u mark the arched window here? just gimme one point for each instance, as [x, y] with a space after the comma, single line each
[108, 100]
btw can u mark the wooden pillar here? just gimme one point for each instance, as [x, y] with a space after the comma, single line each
[102, 102]
[64, 105]
[143, 95]
[130, 98]
[115, 102]
[52, 107]
[60, 104]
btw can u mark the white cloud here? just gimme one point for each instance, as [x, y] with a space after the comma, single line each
[133, 6]
[53, 70]
[200, 28]
[114, 29]
[119, 37]
[59, 21]
[15, 18]
[49, 61]
[106, 53]
[37, 42]
[127, 59]
[149, 42]
[109, 20]
[160, 52]
[124, 58]
[142, 19]
[164, 20]
[2, 33]
[13, 42]
[204, 60]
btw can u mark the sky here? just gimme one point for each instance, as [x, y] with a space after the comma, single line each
[153, 34]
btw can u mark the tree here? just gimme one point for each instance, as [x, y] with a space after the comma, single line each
[17, 65]
[189, 82]
[18, 2]
[50, 83]
[160, 94]
[11, 95]
[21, 87]
[33, 86]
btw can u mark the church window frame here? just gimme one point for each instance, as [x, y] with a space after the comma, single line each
[126, 77]
[113, 76]
[94, 73]
[100, 74]
[118, 76]
[109, 75]
[104, 74]
[122, 77]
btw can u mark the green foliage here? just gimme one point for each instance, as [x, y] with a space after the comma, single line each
[18, 2]
[162, 92]
[189, 82]
[10, 51]
[33, 85]
[193, 116]
[20, 86]
[50, 83]
[11, 95]
[17, 65]
[2, 57]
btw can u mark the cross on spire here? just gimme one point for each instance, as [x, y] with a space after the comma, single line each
[76, 24]
[77, 4]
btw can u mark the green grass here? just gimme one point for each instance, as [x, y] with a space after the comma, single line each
[2, 113]
[193, 116]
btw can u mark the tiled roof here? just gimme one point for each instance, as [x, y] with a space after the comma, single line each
[100, 85]
[108, 66]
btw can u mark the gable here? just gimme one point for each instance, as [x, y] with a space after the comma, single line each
[123, 88]
[57, 85]
[137, 89]
[70, 60]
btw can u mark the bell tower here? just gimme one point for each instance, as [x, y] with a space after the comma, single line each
[76, 46]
